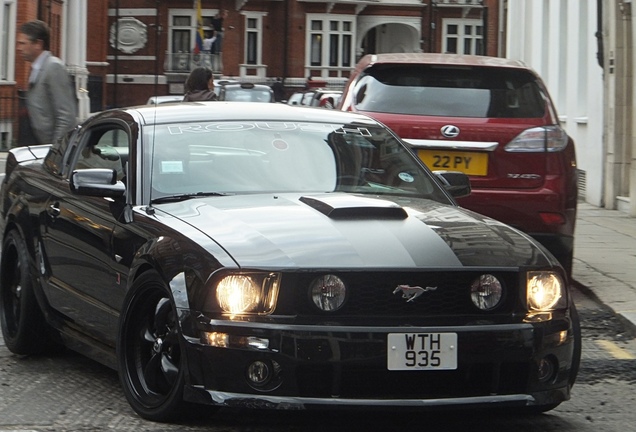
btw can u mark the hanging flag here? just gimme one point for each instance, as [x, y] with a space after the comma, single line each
[198, 44]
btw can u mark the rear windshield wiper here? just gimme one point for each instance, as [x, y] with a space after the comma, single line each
[184, 197]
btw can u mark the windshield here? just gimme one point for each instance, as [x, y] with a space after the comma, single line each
[256, 157]
[447, 91]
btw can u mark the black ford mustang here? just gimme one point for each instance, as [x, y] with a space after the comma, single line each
[264, 255]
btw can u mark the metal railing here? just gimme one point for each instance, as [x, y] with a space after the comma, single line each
[458, 2]
[185, 62]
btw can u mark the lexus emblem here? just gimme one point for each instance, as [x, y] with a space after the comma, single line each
[450, 131]
[411, 293]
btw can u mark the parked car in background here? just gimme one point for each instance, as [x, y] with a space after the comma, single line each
[156, 100]
[223, 81]
[261, 255]
[302, 98]
[244, 92]
[490, 118]
[327, 99]
[322, 97]
[295, 98]
[319, 97]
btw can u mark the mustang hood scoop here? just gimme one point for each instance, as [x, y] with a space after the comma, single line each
[347, 207]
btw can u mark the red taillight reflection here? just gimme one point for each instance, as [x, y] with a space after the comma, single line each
[552, 218]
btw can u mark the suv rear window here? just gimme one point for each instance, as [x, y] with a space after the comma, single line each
[435, 90]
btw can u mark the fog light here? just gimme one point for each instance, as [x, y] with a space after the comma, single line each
[486, 292]
[547, 369]
[328, 292]
[259, 373]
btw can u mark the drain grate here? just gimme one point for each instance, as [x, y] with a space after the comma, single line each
[581, 183]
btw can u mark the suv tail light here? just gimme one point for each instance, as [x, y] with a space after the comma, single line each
[539, 139]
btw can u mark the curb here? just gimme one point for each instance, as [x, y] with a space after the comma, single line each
[628, 319]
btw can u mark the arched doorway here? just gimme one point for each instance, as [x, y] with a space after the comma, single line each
[388, 34]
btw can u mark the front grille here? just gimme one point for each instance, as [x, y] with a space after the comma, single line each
[359, 382]
[371, 294]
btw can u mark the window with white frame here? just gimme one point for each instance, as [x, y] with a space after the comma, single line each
[253, 49]
[7, 18]
[330, 41]
[463, 36]
[183, 28]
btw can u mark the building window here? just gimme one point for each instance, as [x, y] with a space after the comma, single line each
[7, 41]
[183, 28]
[463, 36]
[330, 41]
[316, 43]
[251, 36]
[253, 40]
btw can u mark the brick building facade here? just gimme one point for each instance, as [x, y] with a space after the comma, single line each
[290, 39]
[140, 48]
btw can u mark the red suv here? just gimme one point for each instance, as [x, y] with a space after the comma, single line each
[488, 117]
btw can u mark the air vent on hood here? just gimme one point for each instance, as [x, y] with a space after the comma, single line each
[347, 206]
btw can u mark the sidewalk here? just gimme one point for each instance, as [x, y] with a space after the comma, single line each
[605, 259]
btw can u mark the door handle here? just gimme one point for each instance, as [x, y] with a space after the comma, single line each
[54, 210]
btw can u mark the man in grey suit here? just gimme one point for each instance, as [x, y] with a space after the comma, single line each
[51, 100]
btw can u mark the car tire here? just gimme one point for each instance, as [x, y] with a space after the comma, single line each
[149, 350]
[23, 325]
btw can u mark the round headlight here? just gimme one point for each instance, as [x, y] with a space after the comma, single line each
[328, 292]
[486, 292]
[545, 291]
[237, 294]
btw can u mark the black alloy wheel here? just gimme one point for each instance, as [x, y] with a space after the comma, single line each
[151, 363]
[23, 326]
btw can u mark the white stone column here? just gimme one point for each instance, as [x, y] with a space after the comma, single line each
[74, 51]
[631, 155]
[612, 33]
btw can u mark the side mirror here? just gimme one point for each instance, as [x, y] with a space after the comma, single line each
[99, 182]
[456, 183]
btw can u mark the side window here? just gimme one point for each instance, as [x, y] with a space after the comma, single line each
[105, 148]
[59, 155]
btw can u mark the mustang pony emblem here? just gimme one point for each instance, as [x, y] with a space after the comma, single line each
[411, 293]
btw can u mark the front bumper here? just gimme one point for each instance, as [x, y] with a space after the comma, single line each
[329, 366]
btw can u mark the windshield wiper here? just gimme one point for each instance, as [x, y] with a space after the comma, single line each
[187, 196]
